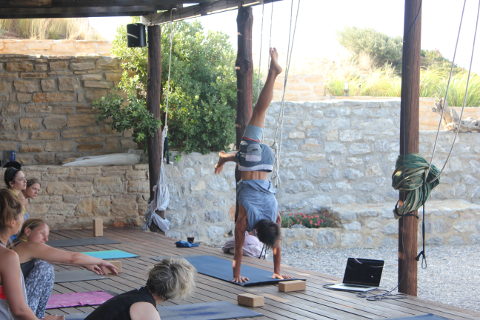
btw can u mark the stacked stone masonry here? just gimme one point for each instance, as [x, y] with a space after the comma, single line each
[335, 154]
[45, 107]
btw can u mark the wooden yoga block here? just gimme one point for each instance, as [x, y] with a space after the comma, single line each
[98, 227]
[294, 285]
[117, 264]
[250, 300]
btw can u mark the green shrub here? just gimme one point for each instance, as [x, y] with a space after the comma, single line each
[382, 49]
[202, 94]
[127, 114]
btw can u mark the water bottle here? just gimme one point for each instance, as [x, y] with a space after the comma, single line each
[12, 155]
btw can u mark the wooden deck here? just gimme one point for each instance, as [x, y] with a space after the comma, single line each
[314, 303]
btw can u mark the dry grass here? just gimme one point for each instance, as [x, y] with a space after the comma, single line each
[41, 29]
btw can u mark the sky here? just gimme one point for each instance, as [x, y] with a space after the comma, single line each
[319, 22]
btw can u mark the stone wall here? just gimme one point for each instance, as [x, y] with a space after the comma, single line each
[71, 196]
[340, 155]
[45, 104]
[335, 154]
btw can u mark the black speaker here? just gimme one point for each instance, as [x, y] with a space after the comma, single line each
[136, 35]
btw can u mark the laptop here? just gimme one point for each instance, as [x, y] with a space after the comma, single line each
[361, 275]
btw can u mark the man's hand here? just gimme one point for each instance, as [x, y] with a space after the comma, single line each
[240, 279]
[281, 276]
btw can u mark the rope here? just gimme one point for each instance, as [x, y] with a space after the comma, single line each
[278, 132]
[261, 45]
[165, 153]
[464, 102]
[416, 177]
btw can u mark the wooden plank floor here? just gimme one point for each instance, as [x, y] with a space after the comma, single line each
[314, 303]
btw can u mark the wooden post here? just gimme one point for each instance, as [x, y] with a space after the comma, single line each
[244, 70]
[409, 126]
[154, 89]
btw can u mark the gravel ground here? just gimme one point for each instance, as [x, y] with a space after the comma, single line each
[452, 275]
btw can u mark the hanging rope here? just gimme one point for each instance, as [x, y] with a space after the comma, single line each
[261, 44]
[166, 153]
[278, 137]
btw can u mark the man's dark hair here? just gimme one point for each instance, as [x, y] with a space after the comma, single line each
[268, 232]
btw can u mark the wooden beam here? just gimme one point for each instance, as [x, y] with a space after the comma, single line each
[244, 70]
[154, 89]
[70, 12]
[29, 3]
[409, 126]
[202, 9]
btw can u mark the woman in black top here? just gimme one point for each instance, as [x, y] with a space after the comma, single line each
[171, 278]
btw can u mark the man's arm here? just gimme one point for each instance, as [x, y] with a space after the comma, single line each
[277, 257]
[240, 228]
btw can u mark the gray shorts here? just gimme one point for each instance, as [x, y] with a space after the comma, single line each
[253, 155]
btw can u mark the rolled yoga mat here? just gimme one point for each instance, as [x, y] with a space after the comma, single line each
[81, 242]
[222, 269]
[216, 310]
[76, 299]
[76, 275]
[110, 254]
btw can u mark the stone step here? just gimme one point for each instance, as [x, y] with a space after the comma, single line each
[373, 225]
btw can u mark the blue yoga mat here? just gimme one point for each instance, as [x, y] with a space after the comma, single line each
[428, 316]
[110, 254]
[222, 269]
[217, 310]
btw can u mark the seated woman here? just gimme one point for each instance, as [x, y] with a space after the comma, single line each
[16, 183]
[31, 192]
[13, 303]
[257, 205]
[36, 256]
[170, 279]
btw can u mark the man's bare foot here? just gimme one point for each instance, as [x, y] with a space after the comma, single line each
[222, 158]
[274, 66]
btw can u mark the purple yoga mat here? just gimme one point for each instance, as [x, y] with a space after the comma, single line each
[76, 299]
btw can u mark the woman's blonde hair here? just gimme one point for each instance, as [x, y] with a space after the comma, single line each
[30, 224]
[172, 278]
[10, 207]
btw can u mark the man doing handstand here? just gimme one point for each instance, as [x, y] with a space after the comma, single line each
[257, 205]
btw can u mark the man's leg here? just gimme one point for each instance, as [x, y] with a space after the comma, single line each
[266, 95]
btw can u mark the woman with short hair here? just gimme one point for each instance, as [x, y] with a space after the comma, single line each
[172, 278]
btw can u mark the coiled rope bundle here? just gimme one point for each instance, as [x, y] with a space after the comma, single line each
[416, 177]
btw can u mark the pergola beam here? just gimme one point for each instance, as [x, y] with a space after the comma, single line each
[201, 9]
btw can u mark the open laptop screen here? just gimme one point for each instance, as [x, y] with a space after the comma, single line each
[366, 272]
